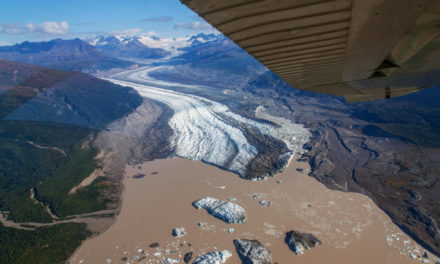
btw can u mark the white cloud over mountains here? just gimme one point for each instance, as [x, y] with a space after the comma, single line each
[47, 28]
[54, 28]
[196, 26]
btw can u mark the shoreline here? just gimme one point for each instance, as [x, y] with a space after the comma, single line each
[132, 214]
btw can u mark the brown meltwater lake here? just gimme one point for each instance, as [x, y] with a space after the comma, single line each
[351, 227]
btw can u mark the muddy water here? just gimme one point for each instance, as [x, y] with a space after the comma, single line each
[351, 227]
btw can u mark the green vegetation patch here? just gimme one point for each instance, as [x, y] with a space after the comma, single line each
[52, 244]
[24, 166]
[48, 119]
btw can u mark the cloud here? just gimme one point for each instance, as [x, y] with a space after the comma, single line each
[163, 19]
[149, 33]
[127, 32]
[46, 28]
[54, 28]
[10, 29]
[196, 26]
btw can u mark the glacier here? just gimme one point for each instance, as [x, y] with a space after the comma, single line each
[207, 130]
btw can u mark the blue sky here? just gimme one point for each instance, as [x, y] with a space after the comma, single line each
[36, 20]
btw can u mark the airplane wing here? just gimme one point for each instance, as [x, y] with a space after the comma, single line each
[359, 49]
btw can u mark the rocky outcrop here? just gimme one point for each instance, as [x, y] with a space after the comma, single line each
[154, 245]
[139, 176]
[179, 232]
[170, 261]
[252, 252]
[229, 212]
[300, 242]
[215, 257]
[187, 257]
[265, 202]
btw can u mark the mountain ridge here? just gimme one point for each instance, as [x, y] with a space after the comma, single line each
[117, 46]
[70, 55]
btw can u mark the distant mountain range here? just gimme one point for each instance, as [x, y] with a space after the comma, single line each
[148, 47]
[202, 38]
[214, 60]
[70, 55]
[218, 53]
[117, 46]
[105, 52]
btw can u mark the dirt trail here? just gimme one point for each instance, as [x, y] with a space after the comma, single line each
[90, 218]
[49, 148]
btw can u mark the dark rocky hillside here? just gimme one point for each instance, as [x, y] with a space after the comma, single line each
[63, 97]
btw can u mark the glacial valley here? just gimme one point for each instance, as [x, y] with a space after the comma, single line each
[209, 131]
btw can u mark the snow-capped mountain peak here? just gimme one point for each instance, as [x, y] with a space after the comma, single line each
[202, 38]
[127, 47]
[107, 40]
[168, 44]
[149, 47]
